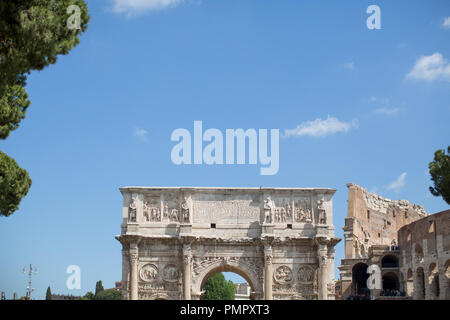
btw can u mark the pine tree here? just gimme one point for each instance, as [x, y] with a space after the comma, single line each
[440, 174]
[32, 34]
[98, 287]
[48, 295]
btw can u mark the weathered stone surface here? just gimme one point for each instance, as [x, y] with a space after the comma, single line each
[410, 248]
[425, 257]
[276, 238]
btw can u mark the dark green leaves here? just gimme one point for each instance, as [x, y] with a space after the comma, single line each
[217, 288]
[440, 174]
[32, 34]
[14, 184]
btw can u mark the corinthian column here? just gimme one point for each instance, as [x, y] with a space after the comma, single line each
[268, 258]
[323, 272]
[187, 259]
[134, 255]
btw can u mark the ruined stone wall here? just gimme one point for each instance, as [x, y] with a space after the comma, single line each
[374, 220]
[428, 237]
[425, 257]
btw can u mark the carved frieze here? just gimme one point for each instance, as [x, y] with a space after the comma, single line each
[303, 210]
[152, 286]
[200, 264]
[306, 289]
[284, 288]
[152, 209]
[171, 211]
[282, 210]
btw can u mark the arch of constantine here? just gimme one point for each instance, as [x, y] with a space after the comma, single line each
[281, 240]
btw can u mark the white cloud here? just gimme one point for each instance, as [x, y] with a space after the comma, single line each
[141, 134]
[398, 184]
[349, 66]
[131, 7]
[384, 106]
[446, 23]
[320, 128]
[430, 68]
[387, 111]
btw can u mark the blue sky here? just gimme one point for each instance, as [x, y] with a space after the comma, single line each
[367, 106]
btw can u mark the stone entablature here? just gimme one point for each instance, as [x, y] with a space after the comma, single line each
[280, 240]
[236, 212]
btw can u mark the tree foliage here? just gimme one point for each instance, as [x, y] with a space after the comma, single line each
[98, 287]
[14, 184]
[13, 105]
[88, 296]
[48, 294]
[440, 174]
[112, 294]
[217, 288]
[32, 34]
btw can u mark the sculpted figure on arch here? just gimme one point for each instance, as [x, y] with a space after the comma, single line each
[185, 210]
[132, 210]
[268, 209]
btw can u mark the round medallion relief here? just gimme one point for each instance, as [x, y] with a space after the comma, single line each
[283, 274]
[148, 272]
[171, 273]
[305, 274]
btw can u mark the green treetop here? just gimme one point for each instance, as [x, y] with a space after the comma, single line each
[440, 174]
[217, 288]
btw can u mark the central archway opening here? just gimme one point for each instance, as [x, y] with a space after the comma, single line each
[226, 283]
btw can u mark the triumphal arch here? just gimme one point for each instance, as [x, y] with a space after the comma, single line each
[281, 240]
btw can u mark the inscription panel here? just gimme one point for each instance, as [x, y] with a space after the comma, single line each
[226, 211]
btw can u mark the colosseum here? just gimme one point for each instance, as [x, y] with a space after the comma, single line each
[406, 249]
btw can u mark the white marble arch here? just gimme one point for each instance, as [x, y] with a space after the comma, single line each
[174, 238]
